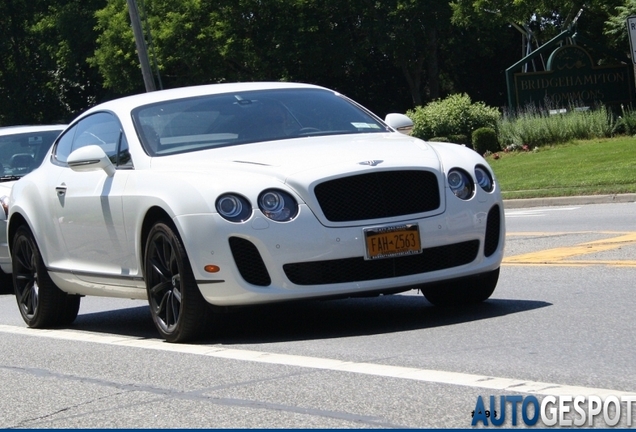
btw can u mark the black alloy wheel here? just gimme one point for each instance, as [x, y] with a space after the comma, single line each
[178, 309]
[41, 303]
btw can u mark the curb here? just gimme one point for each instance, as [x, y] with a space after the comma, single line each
[569, 200]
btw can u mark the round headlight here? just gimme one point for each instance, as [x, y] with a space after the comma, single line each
[277, 205]
[460, 183]
[272, 202]
[233, 207]
[484, 180]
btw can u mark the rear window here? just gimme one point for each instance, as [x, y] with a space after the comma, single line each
[22, 153]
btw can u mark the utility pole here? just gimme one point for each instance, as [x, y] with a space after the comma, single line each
[140, 42]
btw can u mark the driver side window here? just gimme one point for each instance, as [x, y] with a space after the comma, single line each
[101, 129]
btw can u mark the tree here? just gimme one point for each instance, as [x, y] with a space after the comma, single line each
[324, 41]
[539, 19]
[67, 35]
[22, 67]
[61, 56]
[115, 56]
[615, 26]
[410, 33]
[545, 16]
[44, 77]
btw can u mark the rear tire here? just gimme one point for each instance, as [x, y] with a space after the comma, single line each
[464, 291]
[41, 303]
[178, 309]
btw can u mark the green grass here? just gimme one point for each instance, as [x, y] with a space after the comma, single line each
[589, 167]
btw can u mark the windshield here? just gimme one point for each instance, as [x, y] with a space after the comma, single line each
[22, 153]
[228, 119]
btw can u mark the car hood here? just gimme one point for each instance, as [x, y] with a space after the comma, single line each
[304, 160]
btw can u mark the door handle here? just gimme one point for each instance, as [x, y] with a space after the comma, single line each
[61, 189]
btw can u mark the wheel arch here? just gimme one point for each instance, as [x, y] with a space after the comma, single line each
[17, 220]
[153, 215]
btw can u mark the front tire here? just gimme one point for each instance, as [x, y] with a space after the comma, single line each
[41, 303]
[178, 309]
[471, 290]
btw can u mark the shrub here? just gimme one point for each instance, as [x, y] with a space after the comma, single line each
[538, 127]
[485, 140]
[439, 139]
[459, 139]
[454, 116]
[626, 122]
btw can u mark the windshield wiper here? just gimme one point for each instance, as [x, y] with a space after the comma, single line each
[10, 178]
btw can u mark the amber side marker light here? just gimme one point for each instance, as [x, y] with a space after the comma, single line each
[211, 268]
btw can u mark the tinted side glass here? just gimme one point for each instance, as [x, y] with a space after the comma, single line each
[123, 157]
[64, 145]
[101, 129]
[22, 153]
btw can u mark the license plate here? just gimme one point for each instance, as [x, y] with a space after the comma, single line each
[392, 241]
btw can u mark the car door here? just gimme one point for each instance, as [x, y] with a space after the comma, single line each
[89, 204]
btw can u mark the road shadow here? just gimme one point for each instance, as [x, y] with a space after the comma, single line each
[309, 320]
[6, 284]
[134, 321]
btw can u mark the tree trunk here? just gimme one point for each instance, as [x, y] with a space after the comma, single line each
[414, 75]
[414, 80]
[432, 63]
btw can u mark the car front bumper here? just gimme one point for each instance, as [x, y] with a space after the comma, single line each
[262, 261]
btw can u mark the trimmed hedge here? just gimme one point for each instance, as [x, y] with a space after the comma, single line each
[455, 116]
[485, 140]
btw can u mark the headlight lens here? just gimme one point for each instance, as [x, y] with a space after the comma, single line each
[277, 205]
[460, 183]
[484, 179]
[233, 207]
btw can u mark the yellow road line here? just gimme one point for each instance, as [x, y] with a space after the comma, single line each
[560, 233]
[560, 256]
[625, 263]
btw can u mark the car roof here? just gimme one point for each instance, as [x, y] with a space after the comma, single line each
[20, 129]
[130, 102]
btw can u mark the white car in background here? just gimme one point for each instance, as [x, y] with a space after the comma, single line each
[249, 193]
[22, 149]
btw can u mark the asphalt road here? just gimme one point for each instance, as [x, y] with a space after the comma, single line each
[560, 323]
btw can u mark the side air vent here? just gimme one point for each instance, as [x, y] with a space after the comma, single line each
[493, 230]
[249, 262]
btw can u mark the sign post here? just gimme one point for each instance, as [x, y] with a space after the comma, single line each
[631, 32]
[140, 41]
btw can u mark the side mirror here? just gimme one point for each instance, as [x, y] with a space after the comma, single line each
[90, 158]
[400, 123]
